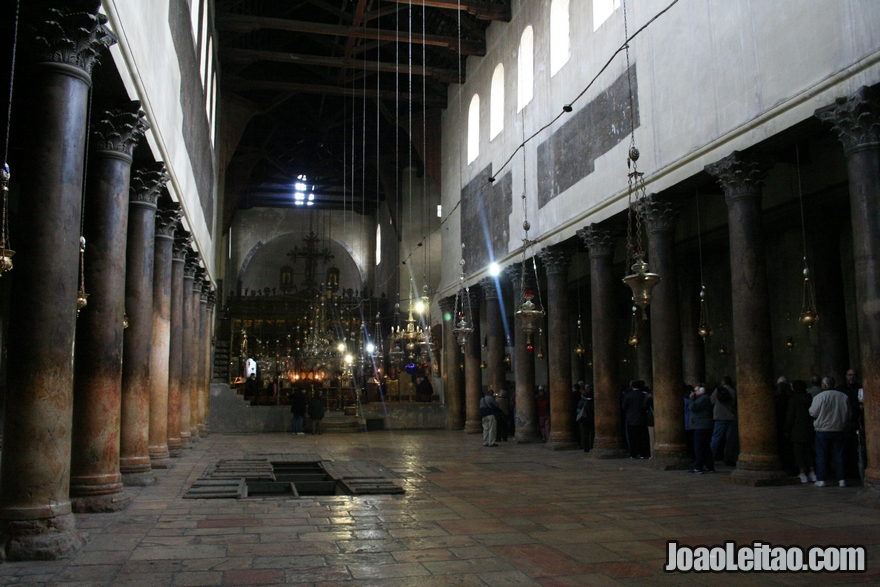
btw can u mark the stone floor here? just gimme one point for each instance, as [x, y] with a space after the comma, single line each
[516, 515]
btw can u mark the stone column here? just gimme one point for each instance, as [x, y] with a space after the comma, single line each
[526, 425]
[95, 480]
[556, 262]
[473, 375]
[209, 361]
[35, 517]
[856, 119]
[608, 443]
[202, 382]
[693, 351]
[644, 352]
[166, 223]
[670, 444]
[495, 334]
[187, 324]
[453, 374]
[193, 353]
[827, 276]
[134, 459]
[742, 180]
[175, 355]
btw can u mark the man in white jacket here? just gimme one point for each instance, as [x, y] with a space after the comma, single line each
[830, 410]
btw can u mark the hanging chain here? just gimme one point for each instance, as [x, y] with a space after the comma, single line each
[11, 80]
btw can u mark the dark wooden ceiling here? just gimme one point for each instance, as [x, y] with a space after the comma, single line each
[327, 89]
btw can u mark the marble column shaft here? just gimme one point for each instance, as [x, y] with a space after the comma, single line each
[473, 375]
[35, 517]
[134, 460]
[495, 338]
[202, 351]
[742, 180]
[608, 441]
[95, 480]
[556, 262]
[209, 361]
[166, 223]
[856, 120]
[526, 426]
[693, 349]
[670, 443]
[453, 375]
[187, 324]
[175, 355]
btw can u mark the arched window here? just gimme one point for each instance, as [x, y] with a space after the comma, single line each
[560, 46]
[378, 243]
[496, 120]
[602, 9]
[525, 69]
[473, 129]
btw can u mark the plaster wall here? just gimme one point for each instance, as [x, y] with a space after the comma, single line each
[711, 78]
[149, 65]
[261, 226]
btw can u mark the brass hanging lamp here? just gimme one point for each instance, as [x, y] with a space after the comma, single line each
[463, 327]
[633, 339]
[809, 315]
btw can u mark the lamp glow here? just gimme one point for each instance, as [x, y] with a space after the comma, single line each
[371, 347]
[494, 269]
[420, 307]
[349, 359]
[340, 347]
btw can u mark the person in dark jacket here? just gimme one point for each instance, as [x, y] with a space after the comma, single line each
[298, 409]
[701, 423]
[585, 417]
[799, 430]
[317, 407]
[633, 407]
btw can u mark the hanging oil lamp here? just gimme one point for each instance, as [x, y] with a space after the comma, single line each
[463, 328]
[81, 296]
[723, 351]
[789, 344]
[529, 313]
[507, 361]
[703, 328]
[5, 253]
[579, 349]
[540, 354]
[633, 339]
[808, 308]
[124, 320]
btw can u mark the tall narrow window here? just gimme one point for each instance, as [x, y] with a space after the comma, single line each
[560, 46]
[378, 244]
[496, 120]
[525, 69]
[473, 129]
[602, 9]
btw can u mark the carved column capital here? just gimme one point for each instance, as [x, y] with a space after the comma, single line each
[168, 220]
[182, 243]
[518, 272]
[489, 287]
[212, 300]
[147, 183]
[739, 176]
[472, 298]
[74, 34]
[855, 119]
[120, 129]
[598, 240]
[205, 290]
[190, 264]
[555, 260]
[447, 304]
[660, 215]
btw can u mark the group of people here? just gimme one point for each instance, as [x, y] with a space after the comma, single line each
[711, 425]
[819, 423]
[497, 414]
[301, 406]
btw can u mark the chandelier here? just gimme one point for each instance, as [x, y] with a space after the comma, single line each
[463, 327]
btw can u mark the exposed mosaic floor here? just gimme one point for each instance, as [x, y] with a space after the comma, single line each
[516, 515]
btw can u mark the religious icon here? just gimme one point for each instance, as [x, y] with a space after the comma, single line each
[333, 279]
[286, 278]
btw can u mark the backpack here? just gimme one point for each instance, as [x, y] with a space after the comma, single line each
[722, 394]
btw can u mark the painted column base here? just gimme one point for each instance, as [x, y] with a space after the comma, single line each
[174, 448]
[159, 457]
[139, 479]
[608, 453]
[473, 427]
[45, 539]
[759, 471]
[99, 504]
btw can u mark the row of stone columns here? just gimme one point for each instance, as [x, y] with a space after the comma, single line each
[84, 420]
[857, 121]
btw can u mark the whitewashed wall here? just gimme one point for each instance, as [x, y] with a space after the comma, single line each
[713, 77]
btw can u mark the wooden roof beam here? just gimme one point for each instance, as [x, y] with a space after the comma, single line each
[480, 9]
[244, 85]
[244, 24]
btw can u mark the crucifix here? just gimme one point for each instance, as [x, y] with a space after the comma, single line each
[311, 254]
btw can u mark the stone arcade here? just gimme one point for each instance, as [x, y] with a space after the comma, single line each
[358, 197]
